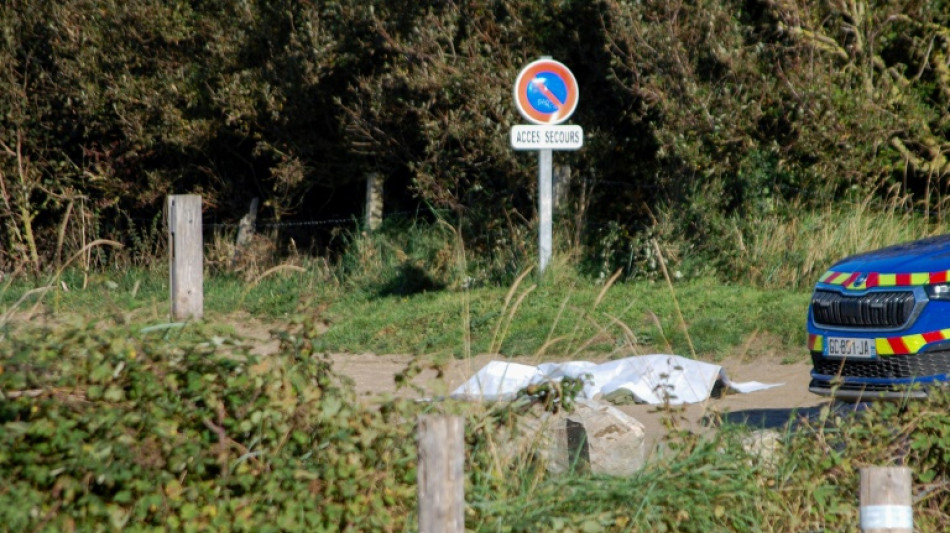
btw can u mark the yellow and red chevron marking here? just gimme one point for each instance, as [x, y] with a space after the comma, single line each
[907, 344]
[849, 280]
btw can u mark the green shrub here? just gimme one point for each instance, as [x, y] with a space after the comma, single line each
[820, 470]
[116, 428]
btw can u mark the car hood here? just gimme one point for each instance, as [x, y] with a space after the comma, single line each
[926, 255]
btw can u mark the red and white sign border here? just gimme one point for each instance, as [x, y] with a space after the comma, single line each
[521, 92]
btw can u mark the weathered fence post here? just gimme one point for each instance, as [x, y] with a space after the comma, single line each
[246, 226]
[441, 474]
[186, 256]
[374, 201]
[886, 500]
[562, 185]
[246, 229]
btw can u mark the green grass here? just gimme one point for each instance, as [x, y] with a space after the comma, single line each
[709, 485]
[145, 294]
[564, 315]
[560, 319]
[400, 290]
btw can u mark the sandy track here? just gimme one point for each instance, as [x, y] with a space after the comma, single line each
[373, 375]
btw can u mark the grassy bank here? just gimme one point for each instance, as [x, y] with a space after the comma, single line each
[575, 318]
[412, 290]
[561, 314]
[791, 248]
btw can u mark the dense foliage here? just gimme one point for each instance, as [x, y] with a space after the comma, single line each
[111, 429]
[699, 116]
[162, 429]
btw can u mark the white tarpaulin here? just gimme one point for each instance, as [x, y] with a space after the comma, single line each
[653, 379]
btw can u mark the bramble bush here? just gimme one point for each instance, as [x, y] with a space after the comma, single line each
[114, 428]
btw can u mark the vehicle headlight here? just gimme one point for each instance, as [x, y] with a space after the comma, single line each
[940, 291]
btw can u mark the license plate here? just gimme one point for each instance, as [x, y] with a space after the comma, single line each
[853, 348]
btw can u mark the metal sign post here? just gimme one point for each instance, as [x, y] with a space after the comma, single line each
[546, 95]
[545, 200]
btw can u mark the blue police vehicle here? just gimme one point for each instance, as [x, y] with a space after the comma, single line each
[879, 323]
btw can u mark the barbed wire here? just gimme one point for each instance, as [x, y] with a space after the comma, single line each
[291, 224]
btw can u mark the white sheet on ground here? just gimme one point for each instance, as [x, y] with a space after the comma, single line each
[653, 379]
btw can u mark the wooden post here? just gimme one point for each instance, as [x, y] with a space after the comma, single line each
[886, 500]
[247, 224]
[186, 256]
[374, 201]
[246, 229]
[562, 184]
[441, 474]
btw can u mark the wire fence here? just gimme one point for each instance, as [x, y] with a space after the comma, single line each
[290, 224]
[336, 221]
[356, 220]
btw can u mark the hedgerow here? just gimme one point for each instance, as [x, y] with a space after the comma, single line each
[119, 429]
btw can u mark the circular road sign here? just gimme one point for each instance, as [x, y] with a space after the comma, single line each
[546, 92]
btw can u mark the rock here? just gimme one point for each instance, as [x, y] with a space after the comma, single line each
[596, 437]
[764, 444]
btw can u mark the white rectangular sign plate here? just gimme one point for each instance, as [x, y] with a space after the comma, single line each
[560, 137]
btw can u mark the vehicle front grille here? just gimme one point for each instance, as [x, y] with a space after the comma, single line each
[892, 367]
[872, 310]
[868, 390]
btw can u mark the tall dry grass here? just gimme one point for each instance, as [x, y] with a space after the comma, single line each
[793, 251]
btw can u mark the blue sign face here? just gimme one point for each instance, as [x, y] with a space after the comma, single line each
[547, 92]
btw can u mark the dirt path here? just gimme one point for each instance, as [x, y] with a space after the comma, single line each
[768, 409]
[374, 376]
